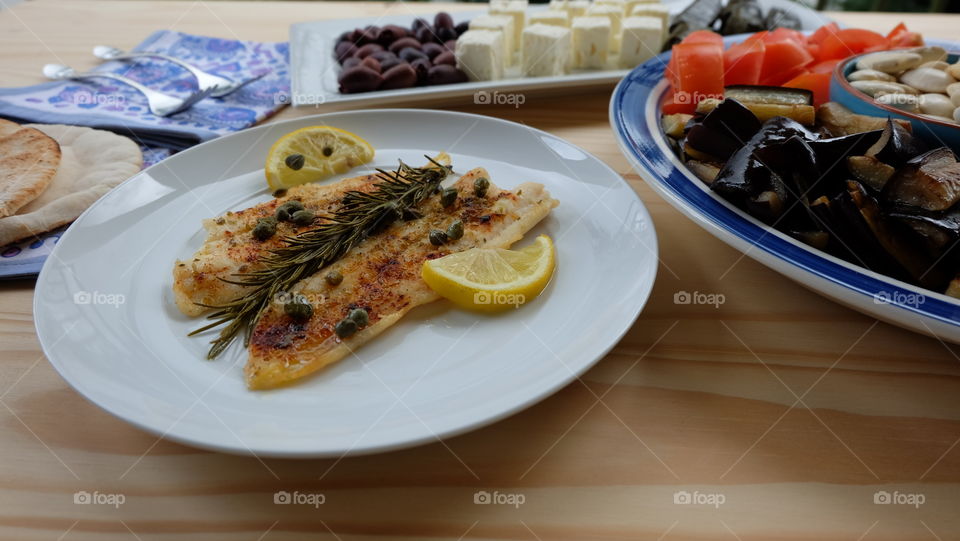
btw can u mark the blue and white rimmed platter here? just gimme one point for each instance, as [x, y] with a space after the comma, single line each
[635, 119]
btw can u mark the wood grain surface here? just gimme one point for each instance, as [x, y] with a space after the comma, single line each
[778, 415]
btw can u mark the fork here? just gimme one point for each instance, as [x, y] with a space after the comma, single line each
[160, 104]
[219, 86]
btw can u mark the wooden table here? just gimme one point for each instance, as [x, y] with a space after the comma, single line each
[786, 411]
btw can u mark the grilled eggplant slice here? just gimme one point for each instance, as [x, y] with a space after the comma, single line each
[930, 181]
[724, 130]
[771, 95]
[697, 16]
[919, 265]
[896, 145]
[741, 17]
[838, 121]
[870, 171]
[805, 114]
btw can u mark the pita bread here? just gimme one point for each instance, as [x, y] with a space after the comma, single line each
[28, 163]
[93, 162]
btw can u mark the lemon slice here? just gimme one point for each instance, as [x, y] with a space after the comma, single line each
[492, 279]
[326, 151]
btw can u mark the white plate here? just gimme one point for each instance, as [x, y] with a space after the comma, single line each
[635, 117]
[107, 321]
[314, 70]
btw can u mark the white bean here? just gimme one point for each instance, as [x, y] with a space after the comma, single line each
[928, 80]
[870, 75]
[889, 61]
[937, 105]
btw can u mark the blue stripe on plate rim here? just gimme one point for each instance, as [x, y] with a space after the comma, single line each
[634, 109]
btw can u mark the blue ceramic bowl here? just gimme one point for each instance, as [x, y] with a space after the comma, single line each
[935, 132]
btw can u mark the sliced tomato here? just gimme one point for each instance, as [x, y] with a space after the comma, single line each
[818, 83]
[900, 36]
[821, 34]
[785, 33]
[704, 36]
[742, 63]
[782, 61]
[696, 73]
[827, 66]
[850, 41]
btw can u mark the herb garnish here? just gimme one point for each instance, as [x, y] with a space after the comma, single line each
[361, 215]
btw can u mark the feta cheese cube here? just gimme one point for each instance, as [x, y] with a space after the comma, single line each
[550, 16]
[619, 4]
[479, 54]
[577, 8]
[517, 10]
[634, 3]
[591, 42]
[611, 12]
[545, 51]
[653, 10]
[500, 23]
[640, 40]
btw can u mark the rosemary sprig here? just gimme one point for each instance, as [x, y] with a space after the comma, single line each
[360, 216]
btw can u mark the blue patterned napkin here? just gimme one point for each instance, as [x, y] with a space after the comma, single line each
[114, 106]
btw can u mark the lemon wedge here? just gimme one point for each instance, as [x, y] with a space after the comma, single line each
[492, 279]
[314, 153]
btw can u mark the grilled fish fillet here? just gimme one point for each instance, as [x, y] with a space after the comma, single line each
[382, 275]
[230, 248]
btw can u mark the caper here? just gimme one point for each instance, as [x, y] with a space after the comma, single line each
[455, 230]
[265, 228]
[295, 161]
[280, 193]
[480, 186]
[302, 217]
[333, 278]
[345, 327]
[360, 317]
[327, 151]
[437, 237]
[287, 209]
[298, 308]
[448, 196]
